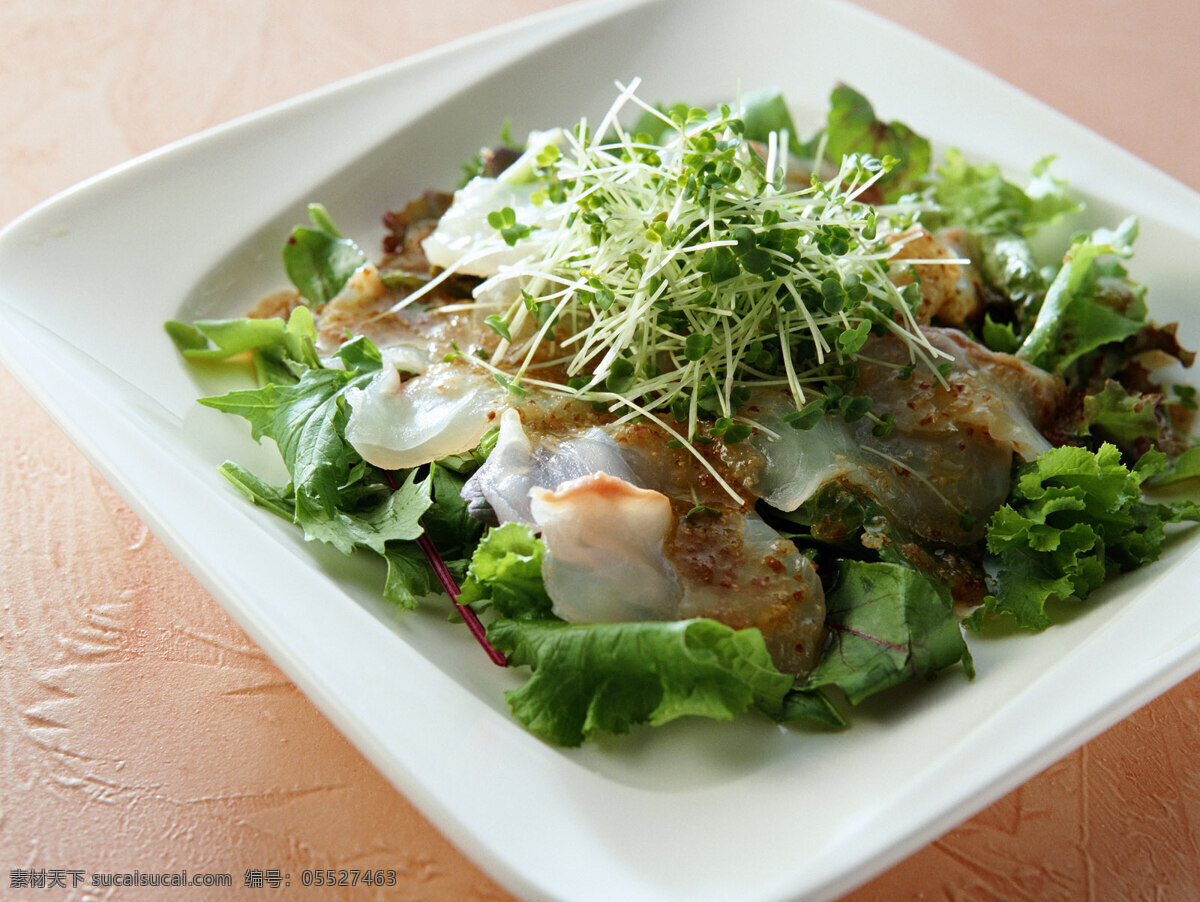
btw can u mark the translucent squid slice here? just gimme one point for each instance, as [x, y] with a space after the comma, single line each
[616, 552]
[518, 463]
[604, 558]
[398, 424]
[950, 448]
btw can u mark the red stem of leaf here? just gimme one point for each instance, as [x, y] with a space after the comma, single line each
[447, 580]
[451, 587]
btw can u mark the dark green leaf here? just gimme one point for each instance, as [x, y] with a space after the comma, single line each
[621, 376]
[812, 706]
[359, 355]
[307, 422]
[888, 624]
[409, 576]
[697, 345]
[806, 417]
[766, 111]
[453, 531]
[396, 518]
[318, 260]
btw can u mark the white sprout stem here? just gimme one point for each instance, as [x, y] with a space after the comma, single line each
[789, 367]
[932, 261]
[769, 433]
[730, 371]
[470, 307]
[453, 269]
[619, 104]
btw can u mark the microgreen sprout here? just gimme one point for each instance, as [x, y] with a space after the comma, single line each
[505, 222]
[680, 275]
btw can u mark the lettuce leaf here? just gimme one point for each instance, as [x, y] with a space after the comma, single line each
[998, 218]
[1130, 420]
[1007, 263]
[506, 573]
[1089, 304]
[977, 197]
[852, 127]
[1184, 468]
[1073, 519]
[590, 678]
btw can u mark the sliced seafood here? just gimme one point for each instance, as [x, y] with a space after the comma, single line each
[604, 550]
[397, 423]
[948, 294]
[499, 490]
[466, 242]
[738, 570]
[994, 397]
[948, 453]
[616, 552]
[797, 462]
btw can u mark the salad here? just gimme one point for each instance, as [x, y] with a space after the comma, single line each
[690, 413]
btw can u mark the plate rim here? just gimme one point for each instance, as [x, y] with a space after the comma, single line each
[46, 391]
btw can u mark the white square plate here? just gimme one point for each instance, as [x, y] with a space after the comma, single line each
[693, 811]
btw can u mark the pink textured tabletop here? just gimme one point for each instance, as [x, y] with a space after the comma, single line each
[141, 729]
